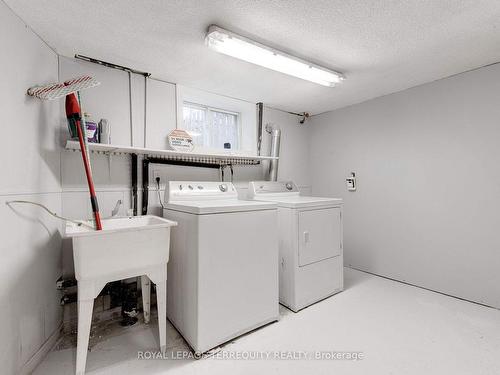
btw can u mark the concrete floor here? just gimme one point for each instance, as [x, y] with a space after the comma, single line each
[400, 329]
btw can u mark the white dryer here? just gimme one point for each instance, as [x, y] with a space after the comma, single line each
[310, 243]
[223, 268]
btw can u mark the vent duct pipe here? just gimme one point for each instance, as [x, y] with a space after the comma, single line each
[275, 152]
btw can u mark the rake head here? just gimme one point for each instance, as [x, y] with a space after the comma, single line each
[59, 90]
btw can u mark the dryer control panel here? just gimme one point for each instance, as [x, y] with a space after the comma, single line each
[199, 190]
[272, 188]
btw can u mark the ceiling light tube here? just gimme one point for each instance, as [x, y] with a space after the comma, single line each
[234, 45]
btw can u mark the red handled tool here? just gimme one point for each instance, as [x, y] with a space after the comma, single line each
[75, 117]
[73, 113]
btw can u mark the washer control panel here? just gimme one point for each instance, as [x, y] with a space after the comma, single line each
[199, 190]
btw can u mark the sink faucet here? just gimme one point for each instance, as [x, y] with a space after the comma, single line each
[117, 208]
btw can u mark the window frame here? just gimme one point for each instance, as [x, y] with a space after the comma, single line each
[246, 111]
[209, 111]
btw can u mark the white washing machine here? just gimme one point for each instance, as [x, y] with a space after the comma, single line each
[310, 243]
[223, 268]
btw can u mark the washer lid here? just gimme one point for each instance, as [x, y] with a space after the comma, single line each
[219, 206]
[209, 197]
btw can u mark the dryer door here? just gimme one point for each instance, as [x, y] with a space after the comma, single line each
[320, 235]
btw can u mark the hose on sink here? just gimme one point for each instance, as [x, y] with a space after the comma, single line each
[79, 223]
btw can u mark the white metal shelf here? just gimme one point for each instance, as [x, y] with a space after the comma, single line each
[213, 158]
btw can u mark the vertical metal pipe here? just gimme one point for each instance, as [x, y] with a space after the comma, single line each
[145, 185]
[275, 152]
[145, 109]
[260, 112]
[130, 109]
[134, 184]
[221, 172]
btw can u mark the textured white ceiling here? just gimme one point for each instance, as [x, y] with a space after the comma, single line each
[381, 46]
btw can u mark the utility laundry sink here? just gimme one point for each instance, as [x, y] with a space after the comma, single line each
[126, 247]
[124, 243]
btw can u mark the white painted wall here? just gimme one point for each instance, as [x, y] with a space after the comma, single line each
[30, 243]
[161, 113]
[101, 101]
[427, 161]
[294, 151]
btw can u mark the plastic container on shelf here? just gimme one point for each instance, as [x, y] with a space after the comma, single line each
[91, 129]
[104, 131]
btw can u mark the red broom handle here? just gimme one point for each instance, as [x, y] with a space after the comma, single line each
[90, 182]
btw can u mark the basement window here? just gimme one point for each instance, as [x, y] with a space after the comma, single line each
[212, 128]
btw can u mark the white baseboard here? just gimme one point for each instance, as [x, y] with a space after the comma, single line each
[39, 356]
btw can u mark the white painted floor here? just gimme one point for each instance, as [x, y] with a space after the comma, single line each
[399, 328]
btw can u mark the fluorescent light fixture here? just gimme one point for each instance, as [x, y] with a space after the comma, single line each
[231, 44]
